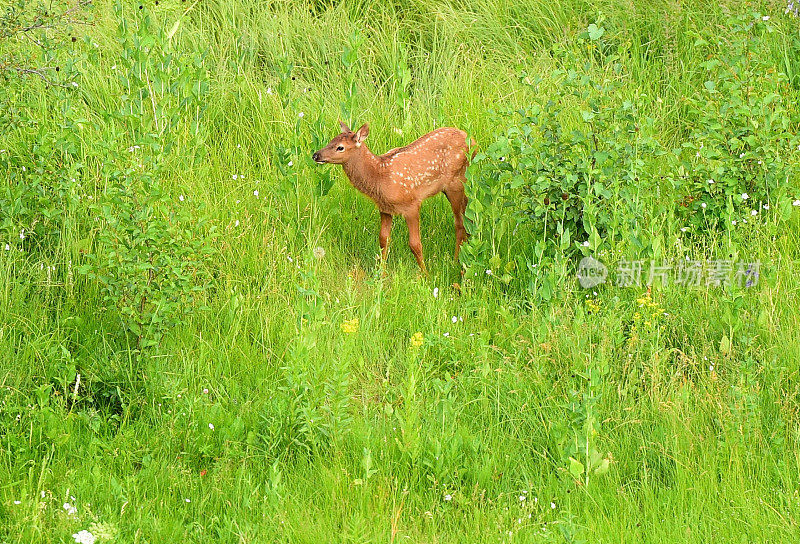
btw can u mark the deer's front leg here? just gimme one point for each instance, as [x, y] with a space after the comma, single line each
[414, 241]
[386, 229]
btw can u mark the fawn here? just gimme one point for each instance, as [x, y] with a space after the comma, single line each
[399, 180]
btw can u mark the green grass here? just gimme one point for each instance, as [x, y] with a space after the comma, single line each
[320, 435]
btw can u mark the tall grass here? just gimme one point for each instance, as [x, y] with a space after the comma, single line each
[275, 416]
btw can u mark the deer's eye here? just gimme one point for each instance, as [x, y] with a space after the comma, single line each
[340, 148]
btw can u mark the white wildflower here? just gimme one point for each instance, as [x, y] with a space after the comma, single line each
[319, 252]
[745, 196]
[84, 537]
[435, 292]
[255, 193]
[448, 497]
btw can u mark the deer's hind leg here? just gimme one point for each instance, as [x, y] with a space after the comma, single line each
[414, 240]
[458, 201]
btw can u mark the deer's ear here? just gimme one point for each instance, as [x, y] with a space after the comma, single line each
[362, 133]
[345, 128]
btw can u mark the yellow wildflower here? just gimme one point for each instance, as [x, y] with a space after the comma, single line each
[416, 340]
[350, 326]
[593, 305]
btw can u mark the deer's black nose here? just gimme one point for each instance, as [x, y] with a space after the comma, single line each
[315, 156]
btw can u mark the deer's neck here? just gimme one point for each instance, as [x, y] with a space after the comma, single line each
[362, 170]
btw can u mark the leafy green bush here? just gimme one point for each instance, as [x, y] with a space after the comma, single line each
[152, 255]
[564, 185]
[39, 161]
[40, 190]
[741, 153]
[560, 184]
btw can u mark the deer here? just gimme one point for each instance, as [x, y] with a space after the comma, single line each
[401, 179]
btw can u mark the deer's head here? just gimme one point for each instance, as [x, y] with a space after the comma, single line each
[339, 150]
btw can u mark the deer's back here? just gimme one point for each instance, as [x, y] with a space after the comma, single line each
[441, 152]
[424, 167]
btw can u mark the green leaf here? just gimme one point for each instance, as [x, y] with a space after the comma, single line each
[576, 468]
[595, 32]
[594, 458]
[725, 345]
[605, 464]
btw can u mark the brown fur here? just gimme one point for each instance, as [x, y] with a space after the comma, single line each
[399, 180]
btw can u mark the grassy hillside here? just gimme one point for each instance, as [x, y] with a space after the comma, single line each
[280, 386]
